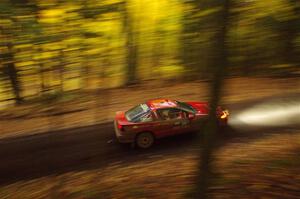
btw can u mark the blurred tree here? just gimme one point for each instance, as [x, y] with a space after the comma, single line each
[7, 30]
[197, 36]
[283, 20]
[157, 47]
[220, 64]
[288, 29]
[21, 2]
[9, 69]
[66, 45]
[266, 33]
[131, 32]
[38, 38]
[191, 51]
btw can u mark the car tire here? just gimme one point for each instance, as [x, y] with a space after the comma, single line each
[144, 140]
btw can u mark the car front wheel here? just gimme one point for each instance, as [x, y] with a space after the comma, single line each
[144, 140]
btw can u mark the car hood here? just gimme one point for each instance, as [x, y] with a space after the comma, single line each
[200, 107]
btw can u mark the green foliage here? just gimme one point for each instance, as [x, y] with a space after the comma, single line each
[67, 45]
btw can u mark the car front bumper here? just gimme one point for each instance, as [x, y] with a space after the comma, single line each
[223, 122]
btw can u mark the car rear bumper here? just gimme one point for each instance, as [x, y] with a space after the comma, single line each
[121, 136]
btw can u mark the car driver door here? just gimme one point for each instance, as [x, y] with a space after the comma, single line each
[171, 121]
[180, 121]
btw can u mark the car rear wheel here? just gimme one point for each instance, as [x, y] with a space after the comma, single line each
[144, 140]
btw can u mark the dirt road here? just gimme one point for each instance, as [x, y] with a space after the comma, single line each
[92, 147]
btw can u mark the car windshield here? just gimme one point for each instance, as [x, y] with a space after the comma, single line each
[136, 112]
[186, 107]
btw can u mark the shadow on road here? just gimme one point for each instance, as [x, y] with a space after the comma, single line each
[86, 148]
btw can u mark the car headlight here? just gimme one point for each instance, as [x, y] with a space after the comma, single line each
[225, 114]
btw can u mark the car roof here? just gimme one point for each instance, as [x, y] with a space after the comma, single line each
[161, 103]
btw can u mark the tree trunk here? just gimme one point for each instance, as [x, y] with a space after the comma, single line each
[61, 70]
[210, 131]
[12, 73]
[288, 34]
[14, 81]
[132, 47]
[42, 78]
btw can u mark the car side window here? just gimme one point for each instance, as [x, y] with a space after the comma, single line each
[146, 117]
[170, 114]
[163, 114]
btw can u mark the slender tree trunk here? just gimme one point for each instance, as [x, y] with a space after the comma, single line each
[12, 74]
[220, 65]
[61, 70]
[288, 34]
[193, 53]
[85, 74]
[132, 47]
[156, 48]
[41, 73]
[14, 80]
[42, 78]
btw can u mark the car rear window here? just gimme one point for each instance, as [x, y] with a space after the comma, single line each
[135, 113]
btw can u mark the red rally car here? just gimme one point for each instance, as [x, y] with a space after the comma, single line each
[159, 118]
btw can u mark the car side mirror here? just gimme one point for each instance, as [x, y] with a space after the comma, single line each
[191, 116]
